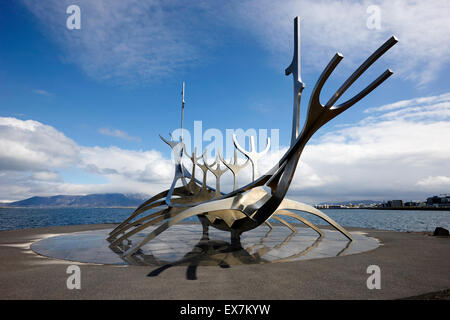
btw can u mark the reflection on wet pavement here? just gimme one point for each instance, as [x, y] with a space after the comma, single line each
[185, 245]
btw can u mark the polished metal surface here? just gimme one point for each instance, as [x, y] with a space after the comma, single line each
[234, 167]
[185, 244]
[252, 154]
[252, 205]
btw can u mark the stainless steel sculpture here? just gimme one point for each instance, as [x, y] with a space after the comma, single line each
[247, 207]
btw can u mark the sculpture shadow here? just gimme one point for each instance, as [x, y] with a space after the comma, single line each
[215, 252]
[211, 253]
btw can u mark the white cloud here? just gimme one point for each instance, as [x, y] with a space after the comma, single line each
[46, 176]
[143, 166]
[396, 152]
[31, 145]
[128, 40]
[31, 154]
[331, 26]
[118, 134]
[399, 152]
[445, 97]
[42, 92]
[435, 182]
[136, 40]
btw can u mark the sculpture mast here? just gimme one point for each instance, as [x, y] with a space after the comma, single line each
[294, 69]
[182, 110]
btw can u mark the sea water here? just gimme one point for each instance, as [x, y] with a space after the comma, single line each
[398, 220]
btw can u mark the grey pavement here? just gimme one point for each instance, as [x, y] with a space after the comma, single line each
[411, 264]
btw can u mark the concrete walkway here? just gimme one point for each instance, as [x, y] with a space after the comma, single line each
[411, 264]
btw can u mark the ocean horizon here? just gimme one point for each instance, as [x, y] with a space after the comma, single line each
[395, 220]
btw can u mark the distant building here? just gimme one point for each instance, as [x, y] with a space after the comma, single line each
[412, 204]
[394, 203]
[439, 201]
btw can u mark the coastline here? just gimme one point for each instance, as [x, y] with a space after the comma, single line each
[106, 207]
[134, 207]
[393, 208]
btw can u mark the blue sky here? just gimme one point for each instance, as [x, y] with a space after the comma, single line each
[82, 109]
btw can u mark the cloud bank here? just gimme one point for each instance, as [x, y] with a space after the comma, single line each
[132, 40]
[118, 134]
[33, 155]
[331, 26]
[125, 41]
[399, 150]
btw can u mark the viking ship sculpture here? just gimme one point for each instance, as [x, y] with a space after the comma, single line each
[249, 206]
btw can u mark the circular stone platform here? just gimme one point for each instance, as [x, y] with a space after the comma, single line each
[183, 245]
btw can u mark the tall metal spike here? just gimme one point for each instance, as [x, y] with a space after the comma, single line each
[294, 69]
[182, 110]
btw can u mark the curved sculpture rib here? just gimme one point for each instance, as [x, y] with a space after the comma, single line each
[159, 216]
[137, 211]
[136, 223]
[294, 205]
[299, 218]
[124, 226]
[216, 205]
[147, 205]
[284, 222]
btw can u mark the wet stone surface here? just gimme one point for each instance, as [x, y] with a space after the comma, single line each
[184, 245]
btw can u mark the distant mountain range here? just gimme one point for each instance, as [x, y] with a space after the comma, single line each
[90, 200]
[111, 200]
